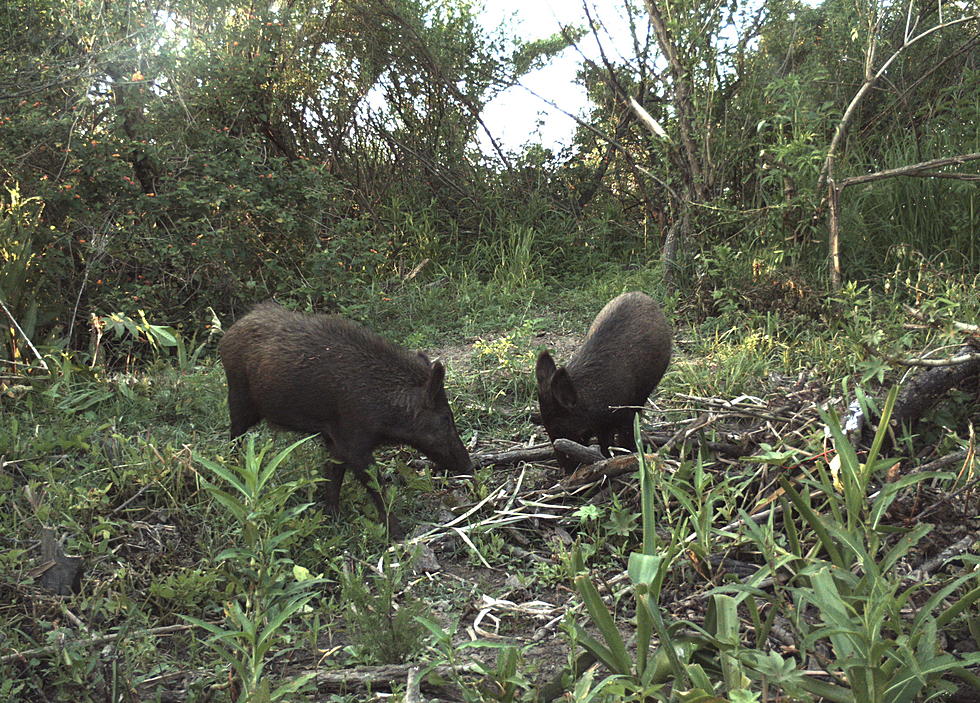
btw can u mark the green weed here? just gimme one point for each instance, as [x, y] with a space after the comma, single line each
[274, 588]
[382, 623]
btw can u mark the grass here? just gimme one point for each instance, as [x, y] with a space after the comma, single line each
[126, 465]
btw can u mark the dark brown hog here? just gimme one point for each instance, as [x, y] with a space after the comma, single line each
[621, 361]
[324, 374]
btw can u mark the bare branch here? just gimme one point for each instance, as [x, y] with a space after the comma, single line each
[934, 363]
[93, 642]
[916, 170]
[965, 48]
[827, 171]
[959, 326]
[952, 175]
[647, 119]
[606, 138]
[681, 98]
[448, 82]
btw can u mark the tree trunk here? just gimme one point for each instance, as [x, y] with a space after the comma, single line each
[693, 172]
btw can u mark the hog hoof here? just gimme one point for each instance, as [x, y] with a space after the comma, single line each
[395, 530]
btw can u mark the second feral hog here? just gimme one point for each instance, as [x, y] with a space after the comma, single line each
[324, 374]
[621, 361]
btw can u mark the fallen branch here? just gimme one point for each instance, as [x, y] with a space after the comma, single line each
[942, 462]
[537, 452]
[936, 363]
[578, 452]
[685, 432]
[91, 642]
[372, 678]
[413, 686]
[954, 550]
[737, 407]
[959, 326]
[607, 468]
[586, 455]
[923, 390]
[726, 448]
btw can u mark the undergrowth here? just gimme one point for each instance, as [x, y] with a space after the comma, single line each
[213, 562]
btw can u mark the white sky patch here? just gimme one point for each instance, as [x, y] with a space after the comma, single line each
[516, 117]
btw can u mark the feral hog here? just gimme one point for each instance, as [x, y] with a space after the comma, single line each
[324, 374]
[621, 361]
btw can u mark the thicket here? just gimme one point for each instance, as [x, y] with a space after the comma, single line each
[176, 157]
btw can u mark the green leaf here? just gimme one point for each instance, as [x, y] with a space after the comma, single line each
[908, 679]
[903, 545]
[891, 490]
[232, 505]
[723, 613]
[223, 473]
[437, 631]
[647, 496]
[270, 468]
[283, 612]
[882, 432]
[815, 522]
[958, 607]
[210, 627]
[599, 650]
[604, 622]
[292, 686]
[165, 336]
[644, 568]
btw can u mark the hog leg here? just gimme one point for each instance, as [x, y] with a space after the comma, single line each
[243, 412]
[624, 432]
[333, 474]
[357, 458]
[606, 439]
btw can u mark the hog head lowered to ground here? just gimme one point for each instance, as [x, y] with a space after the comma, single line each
[324, 374]
[621, 361]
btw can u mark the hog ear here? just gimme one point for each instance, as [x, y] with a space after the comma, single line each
[424, 357]
[437, 376]
[563, 389]
[544, 369]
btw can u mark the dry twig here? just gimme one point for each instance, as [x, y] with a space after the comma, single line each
[92, 642]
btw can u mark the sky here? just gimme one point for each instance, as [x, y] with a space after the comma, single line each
[516, 117]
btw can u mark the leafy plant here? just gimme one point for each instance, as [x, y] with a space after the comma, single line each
[503, 681]
[273, 588]
[859, 601]
[158, 337]
[642, 675]
[20, 274]
[382, 629]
